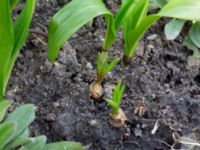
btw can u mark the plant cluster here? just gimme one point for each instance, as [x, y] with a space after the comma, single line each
[175, 26]
[133, 18]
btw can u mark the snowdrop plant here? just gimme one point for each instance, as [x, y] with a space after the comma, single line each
[104, 66]
[117, 116]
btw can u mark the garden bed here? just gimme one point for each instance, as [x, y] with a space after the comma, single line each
[163, 76]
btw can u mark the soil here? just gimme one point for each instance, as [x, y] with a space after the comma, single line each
[163, 77]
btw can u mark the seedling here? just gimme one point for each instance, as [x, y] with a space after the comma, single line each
[132, 17]
[117, 116]
[134, 20]
[103, 67]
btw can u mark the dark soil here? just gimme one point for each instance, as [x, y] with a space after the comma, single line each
[163, 76]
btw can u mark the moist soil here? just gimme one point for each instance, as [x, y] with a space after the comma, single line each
[163, 79]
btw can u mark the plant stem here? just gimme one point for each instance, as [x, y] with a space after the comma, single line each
[114, 111]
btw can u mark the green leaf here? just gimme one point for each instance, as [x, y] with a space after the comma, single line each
[191, 46]
[123, 13]
[23, 116]
[194, 34]
[6, 130]
[130, 16]
[157, 3]
[71, 18]
[3, 108]
[64, 146]
[111, 65]
[21, 30]
[6, 41]
[111, 102]
[13, 4]
[173, 29]
[16, 143]
[182, 9]
[136, 34]
[37, 143]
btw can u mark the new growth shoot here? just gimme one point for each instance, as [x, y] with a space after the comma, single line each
[103, 67]
[117, 116]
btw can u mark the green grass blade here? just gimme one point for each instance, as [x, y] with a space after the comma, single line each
[71, 18]
[21, 30]
[6, 41]
[182, 9]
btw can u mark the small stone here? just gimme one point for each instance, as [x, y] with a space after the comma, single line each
[93, 122]
[89, 66]
[137, 131]
[56, 64]
[152, 37]
[45, 94]
[51, 117]
[56, 104]
[149, 46]
[153, 96]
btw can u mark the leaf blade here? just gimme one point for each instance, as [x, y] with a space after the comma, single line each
[6, 41]
[182, 9]
[71, 18]
[3, 108]
[173, 29]
[21, 30]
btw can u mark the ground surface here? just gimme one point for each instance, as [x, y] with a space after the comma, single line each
[163, 76]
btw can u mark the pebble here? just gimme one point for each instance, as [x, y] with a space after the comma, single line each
[138, 131]
[51, 117]
[89, 66]
[152, 37]
[93, 122]
[56, 104]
